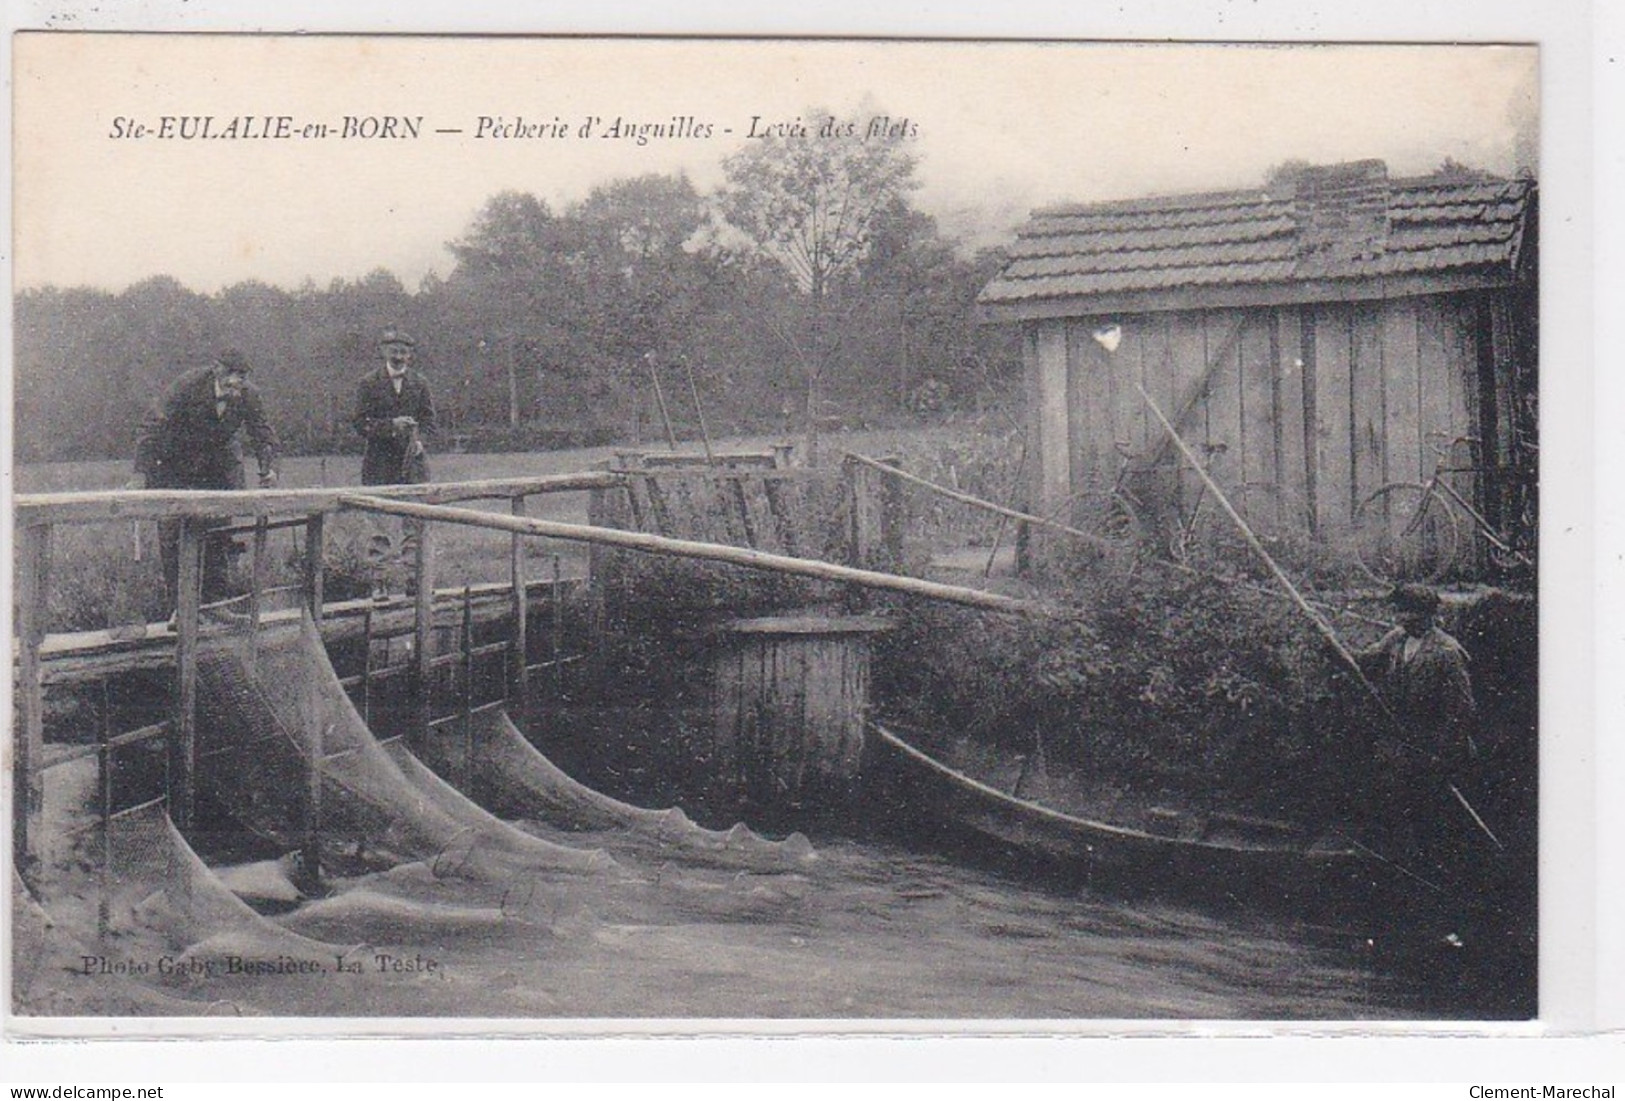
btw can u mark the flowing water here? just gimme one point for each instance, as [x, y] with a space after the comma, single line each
[860, 932]
[651, 919]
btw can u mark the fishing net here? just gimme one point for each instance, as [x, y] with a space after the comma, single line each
[130, 902]
[270, 696]
[517, 780]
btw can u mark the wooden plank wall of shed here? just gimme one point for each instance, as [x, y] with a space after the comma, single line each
[1324, 401]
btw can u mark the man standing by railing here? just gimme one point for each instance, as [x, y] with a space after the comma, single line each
[190, 441]
[394, 410]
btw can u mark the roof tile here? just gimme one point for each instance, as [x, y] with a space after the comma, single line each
[1432, 224]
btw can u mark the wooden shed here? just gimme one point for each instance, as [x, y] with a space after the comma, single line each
[1315, 339]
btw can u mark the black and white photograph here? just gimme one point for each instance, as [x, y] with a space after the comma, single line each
[706, 529]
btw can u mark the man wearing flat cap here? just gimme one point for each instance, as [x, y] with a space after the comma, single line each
[394, 411]
[190, 440]
[1422, 674]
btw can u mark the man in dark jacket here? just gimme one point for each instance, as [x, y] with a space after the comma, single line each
[1422, 674]
[190, 441]
[394, 411]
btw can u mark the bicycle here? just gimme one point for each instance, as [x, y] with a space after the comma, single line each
[1411, 531]
[1130, 520]
[1205, 533]
[1116, 515]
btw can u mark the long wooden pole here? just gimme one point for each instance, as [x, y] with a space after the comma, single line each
[1315, 617]
[978, 502]
[660, 400]
[715, 552]
[989, 506]
[699, 411]
[95, 506]
[1324, 628]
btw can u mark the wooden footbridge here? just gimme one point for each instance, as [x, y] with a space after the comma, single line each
[743, 510]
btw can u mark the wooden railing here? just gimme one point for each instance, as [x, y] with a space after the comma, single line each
[199, 514]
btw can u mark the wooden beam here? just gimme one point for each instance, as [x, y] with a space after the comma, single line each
[462, 764]
[126, 504]
[715, 552]
[256, 591]
[1093, 540]
[1231, 295]
[83, 655]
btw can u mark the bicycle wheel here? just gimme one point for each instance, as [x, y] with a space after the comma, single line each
[1111, 517]
[1405, 532]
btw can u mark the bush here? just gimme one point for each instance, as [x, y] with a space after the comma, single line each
[1174, 686]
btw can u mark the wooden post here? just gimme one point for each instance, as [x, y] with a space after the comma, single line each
[315, 552]
[424, 630]
[609, 508]
[315, 572]
[516, 570]
[555, 641]
[462, 765]
[33, 586]
[865, 522]
[366, 665]
[183, 748]
[513, 382]
[877, 512]
[315, 717]
[104, 779]
[256, 590]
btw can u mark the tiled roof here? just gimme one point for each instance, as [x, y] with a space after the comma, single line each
[1346, 222]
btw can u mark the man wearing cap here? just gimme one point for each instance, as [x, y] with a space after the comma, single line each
[190, 440]
[1422, 674]
[394, 411]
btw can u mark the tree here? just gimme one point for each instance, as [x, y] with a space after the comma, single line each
[512, 270]
[652, 273]
[809, 199]
[513, 233]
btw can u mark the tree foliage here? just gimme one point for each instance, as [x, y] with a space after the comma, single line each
[549, 325]
[813, 204]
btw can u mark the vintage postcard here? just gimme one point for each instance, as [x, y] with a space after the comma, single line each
[556, 534]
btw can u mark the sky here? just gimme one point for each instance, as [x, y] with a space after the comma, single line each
[998, 127]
